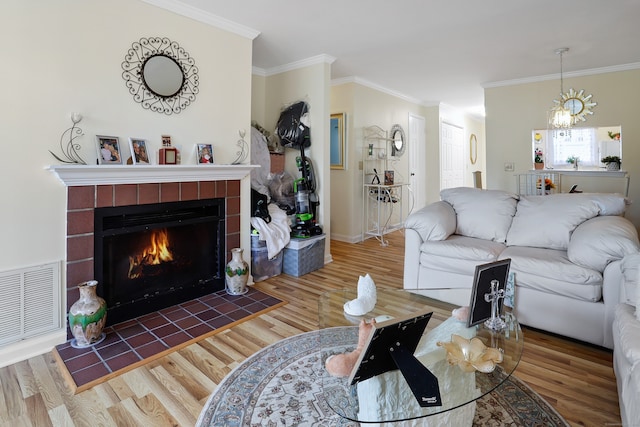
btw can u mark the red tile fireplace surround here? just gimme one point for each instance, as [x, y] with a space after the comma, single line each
[83, 199]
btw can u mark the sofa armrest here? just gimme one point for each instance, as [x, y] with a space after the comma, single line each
[630, 292]
[436, 221]
[601, 240]
[612, 279]
[412, 242]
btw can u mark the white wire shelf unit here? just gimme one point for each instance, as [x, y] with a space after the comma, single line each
[383, 207]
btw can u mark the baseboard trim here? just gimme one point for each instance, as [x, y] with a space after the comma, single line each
[346, 239]
[25, 349]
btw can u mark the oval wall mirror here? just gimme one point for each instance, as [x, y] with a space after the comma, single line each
[398, 142]
[160, 75]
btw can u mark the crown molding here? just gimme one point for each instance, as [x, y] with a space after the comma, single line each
[205, 17]
[375, 86]
[314, 60]
[258, 71]
[580, 73]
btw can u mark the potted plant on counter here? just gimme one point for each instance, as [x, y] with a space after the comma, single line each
[538, 163]
[612, 162]
[573, 161]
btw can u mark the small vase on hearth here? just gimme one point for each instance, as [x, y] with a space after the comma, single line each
[87, 316]
[236, 273]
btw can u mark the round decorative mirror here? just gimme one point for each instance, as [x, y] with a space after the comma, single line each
[398, 143]
[579, 105]
[160, 75]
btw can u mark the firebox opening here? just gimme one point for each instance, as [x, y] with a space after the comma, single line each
[149, 257]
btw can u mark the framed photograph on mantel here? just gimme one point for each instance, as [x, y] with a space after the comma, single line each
[204, 154]
[139, 152]
[109, 152]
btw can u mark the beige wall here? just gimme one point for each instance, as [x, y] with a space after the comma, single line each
[345, 189]
[258, 93]
[514, 111]
[65, 56]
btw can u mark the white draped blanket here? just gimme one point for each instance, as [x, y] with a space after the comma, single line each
[276, 233]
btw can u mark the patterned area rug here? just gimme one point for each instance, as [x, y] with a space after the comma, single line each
[281, 386]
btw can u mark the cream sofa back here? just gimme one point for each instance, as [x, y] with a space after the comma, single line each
[534, 221]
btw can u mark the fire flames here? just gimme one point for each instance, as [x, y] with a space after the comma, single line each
[156, 253]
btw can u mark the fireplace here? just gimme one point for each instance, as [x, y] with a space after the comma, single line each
[94, 187]
[148, 257]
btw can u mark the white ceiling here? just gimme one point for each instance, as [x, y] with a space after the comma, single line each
[443, 51]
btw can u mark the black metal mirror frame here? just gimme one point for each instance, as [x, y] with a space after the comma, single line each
[133, 74]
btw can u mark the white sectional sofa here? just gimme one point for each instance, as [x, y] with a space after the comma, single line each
[626, 339]
[565, 249]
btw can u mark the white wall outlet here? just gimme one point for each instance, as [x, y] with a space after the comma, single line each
[509, 167]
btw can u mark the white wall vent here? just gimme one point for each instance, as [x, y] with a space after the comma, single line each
[29, 302]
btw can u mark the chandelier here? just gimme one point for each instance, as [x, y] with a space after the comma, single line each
[560, 116]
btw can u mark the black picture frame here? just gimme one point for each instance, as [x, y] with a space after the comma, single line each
[479, 308]
[390, 346]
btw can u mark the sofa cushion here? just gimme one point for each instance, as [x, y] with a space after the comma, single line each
[459, 254]
[548, 221]
[550, 271]
[608, 203]
[436, 221]
[483, 214]
[600, 240]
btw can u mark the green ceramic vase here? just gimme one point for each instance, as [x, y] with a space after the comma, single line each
[87, 316]
[236, 273]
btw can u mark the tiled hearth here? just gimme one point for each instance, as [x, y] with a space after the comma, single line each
[138, 341]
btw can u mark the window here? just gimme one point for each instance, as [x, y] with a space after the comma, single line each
[589, 145]
[580, 143]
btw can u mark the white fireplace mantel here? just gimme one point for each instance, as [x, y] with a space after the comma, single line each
[76, 175]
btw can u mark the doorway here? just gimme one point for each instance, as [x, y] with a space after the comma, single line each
[417, 154]
[451, 156]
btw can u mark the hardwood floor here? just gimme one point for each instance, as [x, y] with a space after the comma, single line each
[576, 379]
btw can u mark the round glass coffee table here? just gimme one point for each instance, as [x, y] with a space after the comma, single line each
[387, 397]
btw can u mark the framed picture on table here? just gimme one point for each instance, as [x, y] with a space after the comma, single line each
[480, 305]
[108, 150]
[390, 346]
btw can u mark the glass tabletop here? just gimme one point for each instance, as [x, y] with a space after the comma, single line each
[388, 397]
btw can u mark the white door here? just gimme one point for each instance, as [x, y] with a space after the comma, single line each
[416, 153]
[451, 156]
